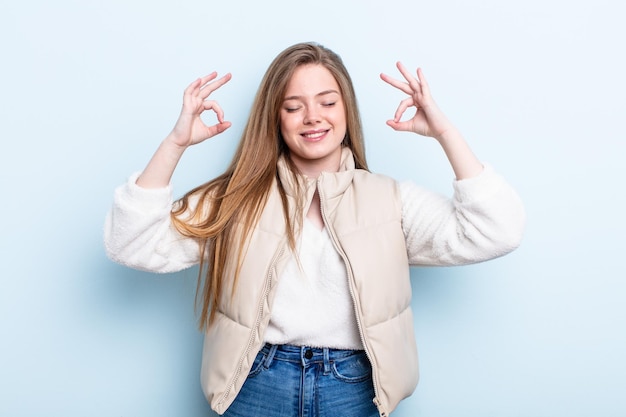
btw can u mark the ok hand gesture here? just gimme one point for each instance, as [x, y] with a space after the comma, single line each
[190, 129]
[428, 119]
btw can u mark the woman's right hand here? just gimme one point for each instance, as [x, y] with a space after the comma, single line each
[190, 129]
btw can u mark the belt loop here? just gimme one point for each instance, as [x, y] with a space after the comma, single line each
[326, 361]
[270, 356]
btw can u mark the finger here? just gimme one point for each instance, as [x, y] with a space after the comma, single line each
[423, 82]
[208, 78]
[193, 87]
[223, 126]
[400, 126]
[404, 104]
[411, 80]
[207, 89]
[215, 107]
[217, 128]
[402, 86]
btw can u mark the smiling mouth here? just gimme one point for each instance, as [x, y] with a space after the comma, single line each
[315, 135]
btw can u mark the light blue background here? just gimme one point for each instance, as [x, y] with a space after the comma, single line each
[89, 88]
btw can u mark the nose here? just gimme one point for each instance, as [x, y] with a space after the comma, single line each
[311, 115]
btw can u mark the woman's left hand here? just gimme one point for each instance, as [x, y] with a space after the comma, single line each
[428, 119]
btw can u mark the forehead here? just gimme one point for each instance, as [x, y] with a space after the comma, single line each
[310, 80]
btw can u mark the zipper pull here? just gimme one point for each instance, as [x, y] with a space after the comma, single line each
[379, 406]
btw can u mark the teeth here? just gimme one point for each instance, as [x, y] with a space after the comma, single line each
[314, 135]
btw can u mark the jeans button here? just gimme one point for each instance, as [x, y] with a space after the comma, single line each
[308, 354]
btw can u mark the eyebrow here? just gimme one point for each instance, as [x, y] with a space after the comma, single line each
[323, 93]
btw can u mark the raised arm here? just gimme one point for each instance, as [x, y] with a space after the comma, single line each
[138, 230]
[429, 120]
[189, 130]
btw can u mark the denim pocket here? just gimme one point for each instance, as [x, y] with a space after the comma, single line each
[257, 365]
[355, 368]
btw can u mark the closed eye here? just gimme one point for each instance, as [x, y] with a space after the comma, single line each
[329, 104]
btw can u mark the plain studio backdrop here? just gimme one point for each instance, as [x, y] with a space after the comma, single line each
[89, 89]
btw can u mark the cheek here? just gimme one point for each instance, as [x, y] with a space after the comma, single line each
[287, 130]
[287, 123]
[340, 119]
[341, 115]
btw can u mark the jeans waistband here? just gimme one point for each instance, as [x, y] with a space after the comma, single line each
[305, 355]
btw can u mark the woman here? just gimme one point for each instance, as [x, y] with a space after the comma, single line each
[304, 279]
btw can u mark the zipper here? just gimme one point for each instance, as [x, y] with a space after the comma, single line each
[331, 233]
[379, 405]
[257, 323]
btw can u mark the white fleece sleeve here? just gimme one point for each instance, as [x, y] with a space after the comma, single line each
[138, 231]
[484, 220]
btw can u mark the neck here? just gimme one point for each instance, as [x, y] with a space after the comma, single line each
[313, 168]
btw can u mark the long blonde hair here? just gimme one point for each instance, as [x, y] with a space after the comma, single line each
[228, 207]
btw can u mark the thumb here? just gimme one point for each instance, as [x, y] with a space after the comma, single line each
[399, 126]
[223, 126]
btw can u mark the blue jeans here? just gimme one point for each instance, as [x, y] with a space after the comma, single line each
[297, 381]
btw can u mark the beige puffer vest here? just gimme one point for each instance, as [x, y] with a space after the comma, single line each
[362, 212]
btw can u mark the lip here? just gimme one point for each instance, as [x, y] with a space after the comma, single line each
[314, 135]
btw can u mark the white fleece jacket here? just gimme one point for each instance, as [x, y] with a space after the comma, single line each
[138, 232]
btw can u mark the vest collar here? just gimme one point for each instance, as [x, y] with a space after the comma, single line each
[334, 183]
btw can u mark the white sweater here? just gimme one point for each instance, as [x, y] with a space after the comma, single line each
[313, 305]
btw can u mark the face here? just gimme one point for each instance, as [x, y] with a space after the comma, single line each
[313, 120]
